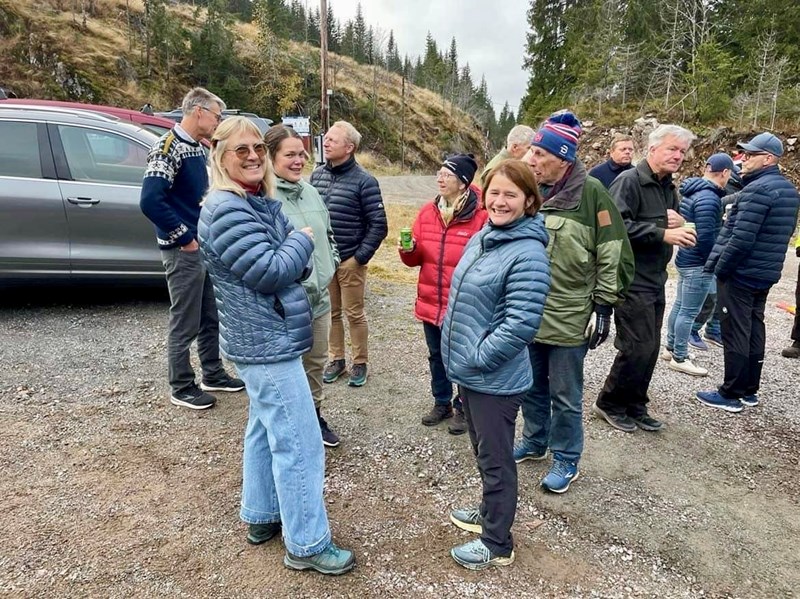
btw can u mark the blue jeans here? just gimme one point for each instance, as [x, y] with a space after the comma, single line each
[441, 387]
[552, 409]
[693, 285]
[709, 313]
[284, 461]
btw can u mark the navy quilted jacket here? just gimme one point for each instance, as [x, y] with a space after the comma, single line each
[752, 245]
[256, 260]
[496, 303]
[701, 205]
[354, 202]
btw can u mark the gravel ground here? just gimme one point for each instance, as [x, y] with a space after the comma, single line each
[108, 490]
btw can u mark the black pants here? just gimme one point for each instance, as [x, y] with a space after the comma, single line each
[490, 420]
[638, 321]
[744, 337]
[441, 387]
[796, 326]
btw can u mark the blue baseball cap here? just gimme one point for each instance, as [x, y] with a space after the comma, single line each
[720, 162]
[763, 142]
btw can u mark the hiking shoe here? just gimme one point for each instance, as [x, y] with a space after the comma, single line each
[561, 475]
[477, 556]
[687, 367]
[193, 398]
[261, 533]
[696, 342]
[438, 413]
[621, 422]
[332, 560]
[714, 339]
[333, 370]
[715, 400]
[647, 423]
[458, 425]
[227, 384]
[751, 401]
[525, 451]
[468, 519]
[329, 438]
[358, 375]
[793, 351]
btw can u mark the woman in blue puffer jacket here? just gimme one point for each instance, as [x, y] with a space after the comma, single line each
[256, 261]
[496, 302]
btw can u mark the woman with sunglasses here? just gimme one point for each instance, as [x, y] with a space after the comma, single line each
[257, 261]
[441, 230]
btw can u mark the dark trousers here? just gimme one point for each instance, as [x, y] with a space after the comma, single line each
[638, 322]
[796, 326]
[744, 337]
[192, 315]
[490, 421]
[441, 387]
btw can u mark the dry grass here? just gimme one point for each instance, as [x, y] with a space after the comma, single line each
[386, 264]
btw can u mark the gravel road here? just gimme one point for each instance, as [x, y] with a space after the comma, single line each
[109, 491]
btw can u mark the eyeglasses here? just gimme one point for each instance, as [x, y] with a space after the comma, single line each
[748, 155]
[445, 175]
[217, 115]
[243, 151]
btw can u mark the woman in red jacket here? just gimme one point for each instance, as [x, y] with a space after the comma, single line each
[441, 230]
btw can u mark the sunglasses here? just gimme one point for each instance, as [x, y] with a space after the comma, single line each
[243, 151]
[748, 155]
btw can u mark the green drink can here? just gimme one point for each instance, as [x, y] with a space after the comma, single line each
[690, 226]
[406, 242]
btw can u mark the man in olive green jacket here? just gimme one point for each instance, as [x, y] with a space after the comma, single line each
[591, 266]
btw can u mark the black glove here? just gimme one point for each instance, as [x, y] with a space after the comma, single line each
[599, 325]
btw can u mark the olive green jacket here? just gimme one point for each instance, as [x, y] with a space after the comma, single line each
[591, 260]
[502, 155]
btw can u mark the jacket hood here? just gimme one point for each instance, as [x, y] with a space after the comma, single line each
[530, 227]
[569, 190]
[694, 184]
[289, 190]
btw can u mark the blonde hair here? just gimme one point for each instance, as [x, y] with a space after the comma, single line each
[220, 180]
[351, 133]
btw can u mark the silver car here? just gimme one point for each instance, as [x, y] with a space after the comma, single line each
[69, 198]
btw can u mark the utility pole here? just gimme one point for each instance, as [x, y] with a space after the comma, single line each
[403, 126]
[324, 107]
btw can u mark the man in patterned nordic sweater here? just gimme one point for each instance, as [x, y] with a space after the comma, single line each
[174, 184]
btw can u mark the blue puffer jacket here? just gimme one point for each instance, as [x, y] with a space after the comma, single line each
[354, 202]
[701, 205]
[496, 303]
[256, 260]
[752, 245]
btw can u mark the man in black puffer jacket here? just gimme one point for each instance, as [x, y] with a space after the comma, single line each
[358, 220]
[748, 259]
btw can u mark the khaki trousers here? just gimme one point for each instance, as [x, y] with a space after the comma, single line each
[314, 360]
[347, 296]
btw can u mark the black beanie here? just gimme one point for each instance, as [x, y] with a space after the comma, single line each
[462, 165]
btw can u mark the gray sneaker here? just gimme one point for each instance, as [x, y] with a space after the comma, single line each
[468, 519]
[477, 556]
[621, 422]
[333, 370]
[332, 560]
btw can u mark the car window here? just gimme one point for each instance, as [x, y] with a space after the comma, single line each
[102, 157]
[20, 157]
[157, 129]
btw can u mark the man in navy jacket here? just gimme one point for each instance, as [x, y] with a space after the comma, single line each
[620, 159]
[748, 259]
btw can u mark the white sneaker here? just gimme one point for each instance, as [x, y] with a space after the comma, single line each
[687, 367]
[666, 355]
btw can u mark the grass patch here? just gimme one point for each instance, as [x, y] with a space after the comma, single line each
[386, 264]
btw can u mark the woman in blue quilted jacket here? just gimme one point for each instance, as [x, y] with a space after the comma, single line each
[256, 261]
[495, 308]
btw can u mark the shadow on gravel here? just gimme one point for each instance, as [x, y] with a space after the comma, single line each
[41, 296]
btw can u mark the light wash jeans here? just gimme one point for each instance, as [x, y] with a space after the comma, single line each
[284, 461]
[553, 407]
[693, 286]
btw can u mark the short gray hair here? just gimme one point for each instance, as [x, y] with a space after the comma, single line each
[350, 132]
[660, 133]
[200, 96]
[522, 135]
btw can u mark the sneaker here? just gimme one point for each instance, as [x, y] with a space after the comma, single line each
[666, 355]
[793, 351]
[647, 423]
[193, 398]
[458, 425]
[468, 519]
[751, 401]
[358, 375]
[561, 475]
[525, 451]
[714, 339]
[621, 422]
[438, 413]
[696, 342]
[333, 370]
[227, 384]
[687, 367]
[477, 556]
[715, 400]
[332, 560]
[329, 438]
[261, 533]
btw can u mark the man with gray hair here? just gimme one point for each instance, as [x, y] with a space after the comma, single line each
[175, 181]
[648, 201]
[517, 143]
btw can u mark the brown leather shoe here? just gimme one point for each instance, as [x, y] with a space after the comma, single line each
[457, 426]
[437, 414]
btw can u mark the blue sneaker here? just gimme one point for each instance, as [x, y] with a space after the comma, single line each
[525, 451]
[714, 339]
[561, 475]
[332, 560]
[751, 401]
[696, 342]
[715, 400]
[477, 556]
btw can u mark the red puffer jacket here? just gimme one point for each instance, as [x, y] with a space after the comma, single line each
[437, 251]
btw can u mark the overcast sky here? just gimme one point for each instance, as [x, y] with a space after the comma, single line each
[490, 36]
